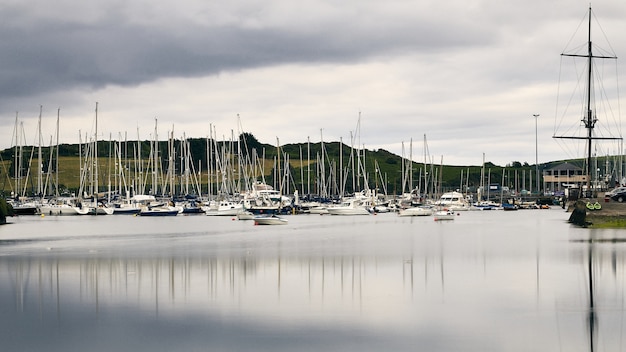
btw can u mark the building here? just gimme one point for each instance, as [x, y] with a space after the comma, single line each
[563, 176]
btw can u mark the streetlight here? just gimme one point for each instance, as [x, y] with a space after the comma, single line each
[536, 154]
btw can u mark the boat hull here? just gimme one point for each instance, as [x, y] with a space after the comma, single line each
[444, 215]
[269, 220]
[416, 211]
[58, 210]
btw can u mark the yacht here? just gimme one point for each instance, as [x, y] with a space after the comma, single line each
[454, 201]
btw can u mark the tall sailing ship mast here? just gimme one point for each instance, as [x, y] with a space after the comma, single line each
[590, 118]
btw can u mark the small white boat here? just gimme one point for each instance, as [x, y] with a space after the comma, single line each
[320, 209]
[445, 214]
[245, 215]
[94, 209]
[159, 211]
[350, 206]
[381, 209]
[269, 220]
[416, 211]
[225, 208]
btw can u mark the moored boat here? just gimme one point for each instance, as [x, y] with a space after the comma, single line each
[352, 206]
[225, 208]
[445, 214]
[416, 211]
[245, 215]
[455, 201]
[25, 208]
[159, 211]
[269, 220]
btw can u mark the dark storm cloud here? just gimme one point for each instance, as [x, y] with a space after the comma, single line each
[42, 55]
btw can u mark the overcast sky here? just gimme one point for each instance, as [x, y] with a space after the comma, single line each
[468, 75]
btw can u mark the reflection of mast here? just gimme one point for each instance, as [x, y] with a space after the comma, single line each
[592, 319]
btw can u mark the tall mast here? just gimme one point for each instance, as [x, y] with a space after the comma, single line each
[590, 119]
[95, 157]
[56, 168]
[39, 156]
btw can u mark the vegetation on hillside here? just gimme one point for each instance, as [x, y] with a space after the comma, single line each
[383, 169]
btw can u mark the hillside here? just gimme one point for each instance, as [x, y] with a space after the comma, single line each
[246, 158]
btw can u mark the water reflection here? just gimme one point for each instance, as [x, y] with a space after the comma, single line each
[174, 283]
[479, 284]
[604, 302]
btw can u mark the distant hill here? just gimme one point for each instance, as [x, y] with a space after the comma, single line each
[382, 169]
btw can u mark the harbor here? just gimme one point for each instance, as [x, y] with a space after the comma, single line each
[140, 215]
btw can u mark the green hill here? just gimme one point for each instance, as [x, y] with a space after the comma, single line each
[301, 165]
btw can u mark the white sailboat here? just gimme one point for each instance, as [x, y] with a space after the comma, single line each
[416, 211]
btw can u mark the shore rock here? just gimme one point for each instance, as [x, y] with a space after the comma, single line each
[610, 215]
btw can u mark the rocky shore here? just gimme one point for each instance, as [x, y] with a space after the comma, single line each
[610, 215]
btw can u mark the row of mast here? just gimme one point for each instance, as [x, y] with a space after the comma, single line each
[231, 169]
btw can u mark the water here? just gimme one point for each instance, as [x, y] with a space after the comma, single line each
[487, 281]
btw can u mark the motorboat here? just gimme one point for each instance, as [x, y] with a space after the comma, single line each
[245, 215]
[126, 209]
[25, 208]
[445, 214]
[352, 206]
[225, 208]
[191, 208]
[159, 211]
[269, 220]
[264, 199]
[487, 205]
[509, 206]
[454, 201]
[416, 211]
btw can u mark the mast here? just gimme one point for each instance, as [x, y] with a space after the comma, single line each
[95, 157]
[590, 118]
[39, 157]
[56, 168]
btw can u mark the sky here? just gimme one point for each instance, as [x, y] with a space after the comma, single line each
[450, 79]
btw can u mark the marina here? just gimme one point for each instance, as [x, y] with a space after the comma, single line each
[376, 251]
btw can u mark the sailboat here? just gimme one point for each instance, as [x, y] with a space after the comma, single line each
[590, 117]
[94, 207]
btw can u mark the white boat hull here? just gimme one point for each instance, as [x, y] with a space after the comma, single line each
[269, 220]
[225, 209]
[416, 211]
[444, 215]
[245, 215]
[347, 211]
[58, 210]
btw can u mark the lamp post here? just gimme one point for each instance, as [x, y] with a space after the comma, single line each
[536, 154]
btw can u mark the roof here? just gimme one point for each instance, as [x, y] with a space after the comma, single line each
[566, 166]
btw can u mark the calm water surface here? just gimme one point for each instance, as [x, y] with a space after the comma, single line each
[487, 281]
